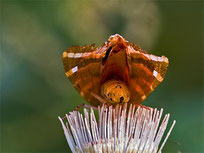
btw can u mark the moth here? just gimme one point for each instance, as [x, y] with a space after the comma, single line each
[118, 71]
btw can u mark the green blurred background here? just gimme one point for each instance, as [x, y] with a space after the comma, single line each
[34, 89]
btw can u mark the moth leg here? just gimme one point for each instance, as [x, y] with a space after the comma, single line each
[143, 106]
[80, 106]
[86, 106]
[100, 99]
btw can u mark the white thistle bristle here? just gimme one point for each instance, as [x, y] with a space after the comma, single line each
[119, 130]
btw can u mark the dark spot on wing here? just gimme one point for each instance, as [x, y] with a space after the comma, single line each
[118, 86]
[106, 56]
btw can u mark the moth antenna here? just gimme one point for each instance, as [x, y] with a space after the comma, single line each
[100, 99]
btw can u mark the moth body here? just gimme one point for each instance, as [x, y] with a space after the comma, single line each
[117, 63]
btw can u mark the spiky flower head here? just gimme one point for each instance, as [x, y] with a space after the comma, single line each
[119, 129]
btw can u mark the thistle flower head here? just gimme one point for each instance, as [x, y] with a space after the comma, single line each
[119, 130]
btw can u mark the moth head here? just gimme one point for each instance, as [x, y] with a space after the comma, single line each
[115, 91]
[116, 39]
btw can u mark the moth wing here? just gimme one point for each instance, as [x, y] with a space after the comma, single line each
[146, 72]
[82, 66]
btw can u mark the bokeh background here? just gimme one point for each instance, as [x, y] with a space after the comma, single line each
[34, 89]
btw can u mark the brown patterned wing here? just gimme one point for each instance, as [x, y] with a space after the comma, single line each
[82, 66]
[147, 72]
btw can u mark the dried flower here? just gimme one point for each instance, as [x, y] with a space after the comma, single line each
[119, 129]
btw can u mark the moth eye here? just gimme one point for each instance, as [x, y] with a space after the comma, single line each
[121, 99]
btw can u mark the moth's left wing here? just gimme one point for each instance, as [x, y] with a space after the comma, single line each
[82, 65]
[146, 72]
